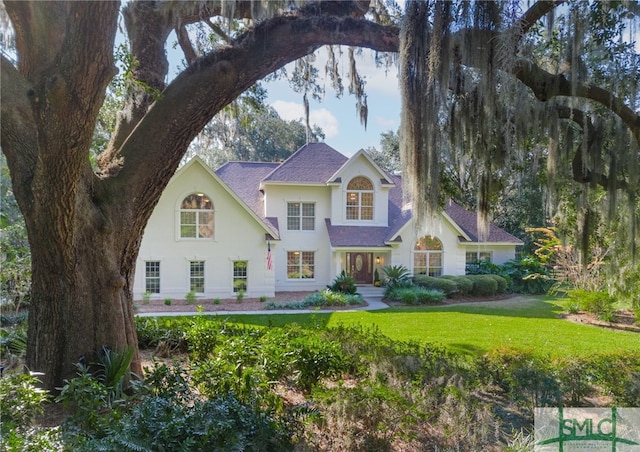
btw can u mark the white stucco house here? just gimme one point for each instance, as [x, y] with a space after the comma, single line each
[293, 226]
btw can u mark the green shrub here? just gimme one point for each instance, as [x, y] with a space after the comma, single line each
[618, 373]
[575, 377]
[20, 402]
[222, 423]
[154, 331]
[146, 297]
[527, 275]
[414, 295]
[396, 276]
[216, 301]
[483, 285]
[262, 298]
[325, 297]
[447, 286]
[464, 285]
[523, 375]
[594, 302]
[168, 301]
[191, 297]
[343, 283]
[502, 282]
[240, 295]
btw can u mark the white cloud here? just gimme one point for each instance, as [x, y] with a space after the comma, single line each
[323, 118]
[386, 123]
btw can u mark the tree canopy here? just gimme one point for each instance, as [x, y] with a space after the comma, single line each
[478, 78]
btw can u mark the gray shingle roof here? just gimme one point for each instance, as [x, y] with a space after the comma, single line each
[313, 163]
[356, 236]
[243, 178]
[468, 222]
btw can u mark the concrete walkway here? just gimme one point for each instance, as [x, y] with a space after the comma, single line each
[372, 295]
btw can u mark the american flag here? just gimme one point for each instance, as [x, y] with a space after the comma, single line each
[269, 262]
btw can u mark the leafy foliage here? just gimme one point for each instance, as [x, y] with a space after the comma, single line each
[343, 283]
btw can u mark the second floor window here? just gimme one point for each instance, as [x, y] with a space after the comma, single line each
[359, 199]
[301, 216]
[196, 217]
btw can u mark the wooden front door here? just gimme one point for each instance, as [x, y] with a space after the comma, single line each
[360, 266]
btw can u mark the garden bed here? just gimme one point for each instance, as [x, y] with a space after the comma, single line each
[227, 304]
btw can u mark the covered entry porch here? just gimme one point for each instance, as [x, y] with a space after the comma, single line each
[361, 264]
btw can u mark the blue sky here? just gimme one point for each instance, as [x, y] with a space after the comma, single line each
[337, 116]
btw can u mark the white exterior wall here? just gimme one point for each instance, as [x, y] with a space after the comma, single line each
[237, 236]
[360, 167]
[277, 198]
[500, 253]
[453, 259]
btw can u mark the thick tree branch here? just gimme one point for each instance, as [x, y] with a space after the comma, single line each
[219, 31]
[213, 81]
[545, 86]
[185, 44]
[536, 12]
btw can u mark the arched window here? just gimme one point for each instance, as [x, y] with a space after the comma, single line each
[196, 217]
[427, 256]
[360, 199]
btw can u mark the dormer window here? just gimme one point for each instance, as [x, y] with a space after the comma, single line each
[196, 217]
[359, 199]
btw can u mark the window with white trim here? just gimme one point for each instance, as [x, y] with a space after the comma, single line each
[239, 276]
[152, 276]
[359, 202]
[196, 217]
[473, 259]
[301, 216]
[196, 276]
[300, 264]
[428, 256]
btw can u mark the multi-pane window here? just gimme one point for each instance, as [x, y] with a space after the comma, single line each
[300, 264]
[196, 276]
[474, 258]
[427, 257]
[152, 276]
[240, 276]
[196, 217]
[301, 216]
[360, 199]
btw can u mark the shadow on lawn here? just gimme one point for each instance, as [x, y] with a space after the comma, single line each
[541, 307]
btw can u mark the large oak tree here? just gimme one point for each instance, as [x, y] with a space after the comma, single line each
[85, 225]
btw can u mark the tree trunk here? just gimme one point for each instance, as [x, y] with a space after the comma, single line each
[81, 293]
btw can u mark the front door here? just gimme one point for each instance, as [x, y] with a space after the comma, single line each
[360, 266]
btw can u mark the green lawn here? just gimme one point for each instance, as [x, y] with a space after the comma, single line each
[475, 328]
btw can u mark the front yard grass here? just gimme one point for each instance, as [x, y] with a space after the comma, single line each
[529, 323]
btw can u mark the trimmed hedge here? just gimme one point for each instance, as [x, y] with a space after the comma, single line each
[464, 284]
[429, 282]
[503, 283]
[483, 285]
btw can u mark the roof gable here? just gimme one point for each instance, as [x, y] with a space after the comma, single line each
[235, 192]
[362, 155]
[313, 163]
